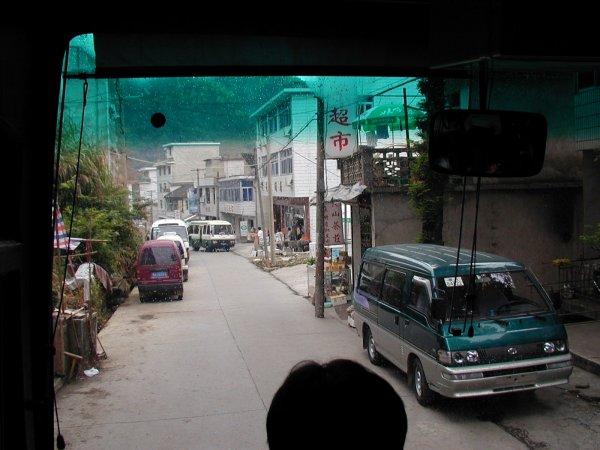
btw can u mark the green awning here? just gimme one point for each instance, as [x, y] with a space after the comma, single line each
[391, 115]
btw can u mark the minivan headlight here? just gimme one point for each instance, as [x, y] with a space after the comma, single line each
[549, 347]
[458, 357]
[561, 346]
[472, 356]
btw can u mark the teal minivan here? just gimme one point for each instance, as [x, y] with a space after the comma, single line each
[503, 334]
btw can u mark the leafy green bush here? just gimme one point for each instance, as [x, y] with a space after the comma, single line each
[102, 212]
[593, 237]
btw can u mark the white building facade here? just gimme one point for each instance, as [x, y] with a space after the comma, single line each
[286, 128]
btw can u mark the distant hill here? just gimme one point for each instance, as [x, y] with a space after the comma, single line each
[196, 108]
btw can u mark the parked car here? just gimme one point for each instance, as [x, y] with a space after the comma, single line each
[159, 271]
[172, 236]
[162, 226]
[402, 311]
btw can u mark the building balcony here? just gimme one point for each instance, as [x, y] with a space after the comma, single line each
[380, 169]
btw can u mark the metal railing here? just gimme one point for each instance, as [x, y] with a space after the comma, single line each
[377, 168]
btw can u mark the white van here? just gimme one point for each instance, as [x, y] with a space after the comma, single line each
[162, 226]
[172, 236]
[217, 234]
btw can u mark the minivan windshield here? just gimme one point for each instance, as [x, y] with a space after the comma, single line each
[164, 229]
[497, 294]
[222, 229]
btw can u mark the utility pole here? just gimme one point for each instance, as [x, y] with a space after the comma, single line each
[260, 202]
[217, 197]
[408, 152]
[271, 220]
[197, 170]
[320, 260]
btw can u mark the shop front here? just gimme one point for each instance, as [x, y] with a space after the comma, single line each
[293, 214]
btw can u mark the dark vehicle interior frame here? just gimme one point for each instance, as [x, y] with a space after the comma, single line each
[404, 38]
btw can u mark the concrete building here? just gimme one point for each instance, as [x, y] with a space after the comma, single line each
[237, 204]
[286, 129]
[177, 200]
[538, 219]
[148, 188]
[180, 168]
[226, 192]
[381, 213]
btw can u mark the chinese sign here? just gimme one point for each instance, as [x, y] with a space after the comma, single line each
[340, 135]
[334, 234]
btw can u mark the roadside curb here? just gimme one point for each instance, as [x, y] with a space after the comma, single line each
[586, 364]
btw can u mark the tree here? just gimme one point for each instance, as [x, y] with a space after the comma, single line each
[426, 187]
[196, 108]
[102, 209]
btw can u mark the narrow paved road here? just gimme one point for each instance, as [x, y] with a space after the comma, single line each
[200, 373]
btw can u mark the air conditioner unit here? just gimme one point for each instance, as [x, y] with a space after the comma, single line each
[287, 131]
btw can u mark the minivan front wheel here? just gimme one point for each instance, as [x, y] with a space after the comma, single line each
[374, 356]
[424, 395]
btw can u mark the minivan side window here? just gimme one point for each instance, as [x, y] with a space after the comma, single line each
[370, 279]
[393, 288]
[419, 295]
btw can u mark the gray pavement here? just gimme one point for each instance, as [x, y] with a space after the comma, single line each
[584, 341]
[200, 373]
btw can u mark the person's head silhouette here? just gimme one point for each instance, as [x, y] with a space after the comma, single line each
[315, 397]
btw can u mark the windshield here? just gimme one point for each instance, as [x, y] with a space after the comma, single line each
[497, 294]
[165, 229]
[222, 229]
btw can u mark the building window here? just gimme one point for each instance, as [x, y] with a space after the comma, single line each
[275, 164]
[262, 127]
[168, 170]
[207, 195]
[247, 190]
[285, 116]
[272, 123]
[247, 194]
[286, 161]
[363, 107]
[263, 165]
[230, 192]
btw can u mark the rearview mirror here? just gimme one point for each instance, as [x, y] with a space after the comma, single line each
[487, 143]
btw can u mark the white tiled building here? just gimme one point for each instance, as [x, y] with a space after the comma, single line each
[149, 187]
[286, 126]
[227, 192]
